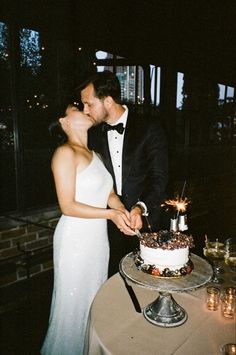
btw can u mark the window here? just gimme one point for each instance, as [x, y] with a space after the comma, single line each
[130, 77]
[181, 122]
[8, 176]
[222, 128]
[30, 50]
[155, 84]
[4, 42]
[37, 81]
[201, 110]
[230, 94]
[179, 93]
[102, 55]
[131, 81]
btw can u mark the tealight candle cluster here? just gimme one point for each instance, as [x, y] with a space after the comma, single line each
[227, 299]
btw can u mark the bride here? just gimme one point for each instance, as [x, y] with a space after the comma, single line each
[81, 251]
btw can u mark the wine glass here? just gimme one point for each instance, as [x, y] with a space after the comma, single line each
[214, 252]
[230, 256]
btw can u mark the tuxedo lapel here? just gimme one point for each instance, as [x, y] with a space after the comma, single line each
[107, 157]
[128, 148]
[129, 145]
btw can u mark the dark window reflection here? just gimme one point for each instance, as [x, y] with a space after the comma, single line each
[30, 50]
[35, 99]
[4, 50]
[204, 111]
[38, 77]
[6, 129]
[7, 139]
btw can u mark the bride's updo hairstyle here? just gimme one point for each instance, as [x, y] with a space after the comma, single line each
[57, 133]
[55, 130]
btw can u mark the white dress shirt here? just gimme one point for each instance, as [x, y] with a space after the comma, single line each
[115, 143]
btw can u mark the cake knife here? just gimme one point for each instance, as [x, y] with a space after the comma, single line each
[138, 233]
[132, 295]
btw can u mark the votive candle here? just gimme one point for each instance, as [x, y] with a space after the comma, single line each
[228, 303]
[213, 298]
[228, 349]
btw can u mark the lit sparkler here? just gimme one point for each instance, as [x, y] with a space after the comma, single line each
[179, 204]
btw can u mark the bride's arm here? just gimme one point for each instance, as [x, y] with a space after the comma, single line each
[115, 202]
[64, 172]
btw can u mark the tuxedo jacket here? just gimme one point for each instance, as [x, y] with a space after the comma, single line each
[144, 162]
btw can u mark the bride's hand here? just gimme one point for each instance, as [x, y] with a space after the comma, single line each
[122, 221]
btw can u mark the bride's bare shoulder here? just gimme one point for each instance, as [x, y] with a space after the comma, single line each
[64, 149]
[64, 153]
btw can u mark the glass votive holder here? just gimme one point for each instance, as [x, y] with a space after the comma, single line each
[228, 349]
[212, 298]
[230, 291]
[228, 302]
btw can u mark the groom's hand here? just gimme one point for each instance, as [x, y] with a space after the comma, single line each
[136, 218]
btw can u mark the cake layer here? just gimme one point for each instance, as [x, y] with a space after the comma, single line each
[164, 254]
[171, 259]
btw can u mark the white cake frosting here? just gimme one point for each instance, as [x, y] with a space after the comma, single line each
[164, 254]
[162, 259]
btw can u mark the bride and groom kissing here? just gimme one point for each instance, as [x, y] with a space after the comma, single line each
[112, 168]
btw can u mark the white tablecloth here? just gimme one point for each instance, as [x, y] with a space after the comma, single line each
[116, 328]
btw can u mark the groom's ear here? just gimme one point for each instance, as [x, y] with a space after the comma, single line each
[108, 101]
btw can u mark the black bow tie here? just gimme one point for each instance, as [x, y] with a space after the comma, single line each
[118, 127]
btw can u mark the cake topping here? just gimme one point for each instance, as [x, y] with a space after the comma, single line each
[166, 240]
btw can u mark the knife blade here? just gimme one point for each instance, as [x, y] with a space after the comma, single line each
[132, 295]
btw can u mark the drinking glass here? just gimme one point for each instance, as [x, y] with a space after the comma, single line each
[214, 252]
[228, 349]
[230, 257]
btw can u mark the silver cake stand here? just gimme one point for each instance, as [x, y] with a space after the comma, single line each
[165, 311]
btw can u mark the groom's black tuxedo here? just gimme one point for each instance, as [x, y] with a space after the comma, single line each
[144, 176]
[144, 162]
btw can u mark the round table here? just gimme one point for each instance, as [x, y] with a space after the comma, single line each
[116, 328]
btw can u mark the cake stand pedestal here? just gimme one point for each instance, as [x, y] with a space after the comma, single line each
[165, 311]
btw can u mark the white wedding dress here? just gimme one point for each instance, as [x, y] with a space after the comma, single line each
[81, 255]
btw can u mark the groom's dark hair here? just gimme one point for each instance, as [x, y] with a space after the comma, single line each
[105, 84]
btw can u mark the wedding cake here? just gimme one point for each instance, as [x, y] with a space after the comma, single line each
[165, 253]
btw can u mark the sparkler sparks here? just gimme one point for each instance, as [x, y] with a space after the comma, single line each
[178, 204]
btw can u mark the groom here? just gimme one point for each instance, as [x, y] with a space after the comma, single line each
[134, 151]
